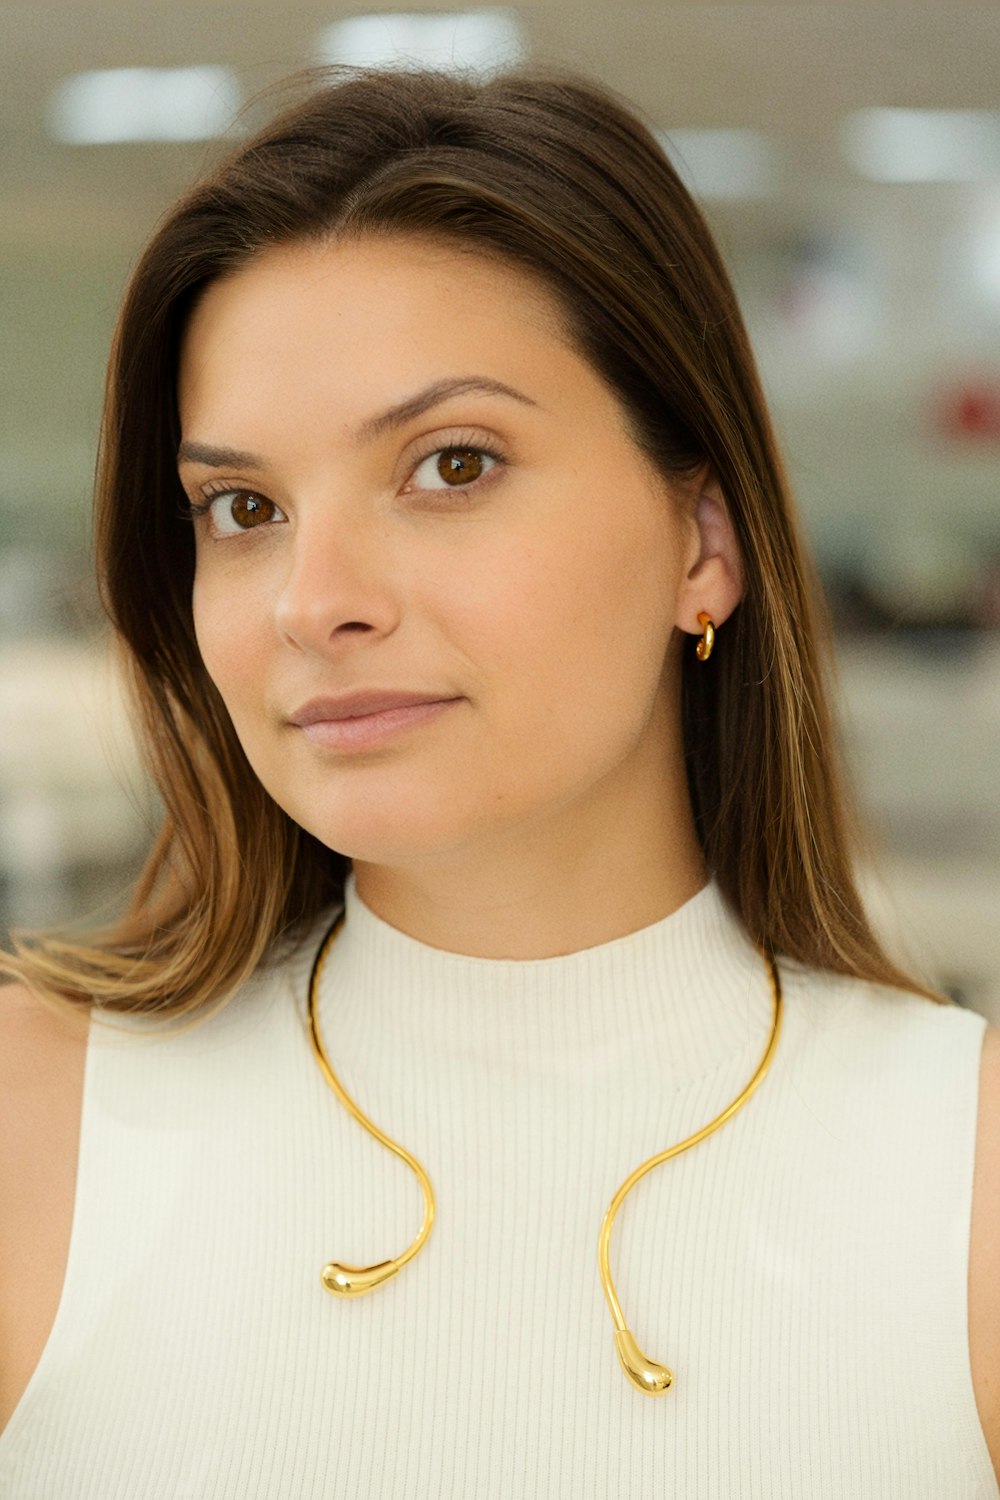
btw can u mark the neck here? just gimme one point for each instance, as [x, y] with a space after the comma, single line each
[551, 890]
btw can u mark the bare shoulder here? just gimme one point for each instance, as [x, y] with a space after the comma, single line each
[984, 1254]
[42, 1058]
[40, 1050]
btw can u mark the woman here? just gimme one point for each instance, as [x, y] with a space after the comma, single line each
[475, 653]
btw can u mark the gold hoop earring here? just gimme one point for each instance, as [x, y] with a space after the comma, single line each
[703, 650]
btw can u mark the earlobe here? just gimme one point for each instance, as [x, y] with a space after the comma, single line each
[713, 583]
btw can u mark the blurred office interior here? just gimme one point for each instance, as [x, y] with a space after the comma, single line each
[847, 157]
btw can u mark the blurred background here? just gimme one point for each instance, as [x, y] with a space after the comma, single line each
[848, 160]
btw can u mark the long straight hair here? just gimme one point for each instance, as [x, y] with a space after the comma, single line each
[556, 175]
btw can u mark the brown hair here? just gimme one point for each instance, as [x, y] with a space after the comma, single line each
[556, 174]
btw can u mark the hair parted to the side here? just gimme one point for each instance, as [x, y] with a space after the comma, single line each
[559, 176]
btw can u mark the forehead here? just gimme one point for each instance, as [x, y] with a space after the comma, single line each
[375, 283]
[345, 327]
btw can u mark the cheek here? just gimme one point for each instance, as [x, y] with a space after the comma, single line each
[571, 632]
[229, 628]
[208, 630]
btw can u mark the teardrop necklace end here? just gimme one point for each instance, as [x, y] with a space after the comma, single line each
[354, 1281]
[646, 1375]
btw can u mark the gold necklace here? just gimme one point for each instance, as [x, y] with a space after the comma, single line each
[352, 1281]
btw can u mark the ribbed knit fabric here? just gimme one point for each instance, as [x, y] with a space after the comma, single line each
[803, 1270]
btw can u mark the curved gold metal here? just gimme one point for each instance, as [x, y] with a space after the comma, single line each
[703, 650]
[353, 1281]
[645, 1374]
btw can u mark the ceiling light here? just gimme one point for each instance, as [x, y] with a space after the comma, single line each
[722, 163]
[923, 145]
[482, 41]
[143, 104]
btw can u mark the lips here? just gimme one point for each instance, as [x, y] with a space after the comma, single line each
[383, 722]
[355, 705]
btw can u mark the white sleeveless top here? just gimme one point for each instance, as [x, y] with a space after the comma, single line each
[803, 1270]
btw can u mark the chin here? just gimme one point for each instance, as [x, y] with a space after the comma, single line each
[379, 833]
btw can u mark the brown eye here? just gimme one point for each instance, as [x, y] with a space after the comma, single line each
[231, 512]
[251, 510]
[459, 465]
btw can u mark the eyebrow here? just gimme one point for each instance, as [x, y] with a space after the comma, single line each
[370, 429]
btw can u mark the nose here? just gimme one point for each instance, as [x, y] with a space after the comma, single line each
[337, 582]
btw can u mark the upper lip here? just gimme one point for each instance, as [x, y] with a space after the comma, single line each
[353, 705]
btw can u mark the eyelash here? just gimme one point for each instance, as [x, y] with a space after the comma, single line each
[467, 441]
[470, 442]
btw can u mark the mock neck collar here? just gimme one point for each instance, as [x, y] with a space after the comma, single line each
[689, 984]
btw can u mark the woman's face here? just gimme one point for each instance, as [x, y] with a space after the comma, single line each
[387, 518]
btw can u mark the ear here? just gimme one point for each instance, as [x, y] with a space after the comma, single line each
[713, 579]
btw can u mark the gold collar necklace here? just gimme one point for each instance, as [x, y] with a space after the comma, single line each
[352, 1281]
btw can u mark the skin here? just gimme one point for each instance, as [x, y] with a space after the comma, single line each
[547, 811]
[550, 812]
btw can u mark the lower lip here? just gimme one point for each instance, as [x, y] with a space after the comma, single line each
[373, 729]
